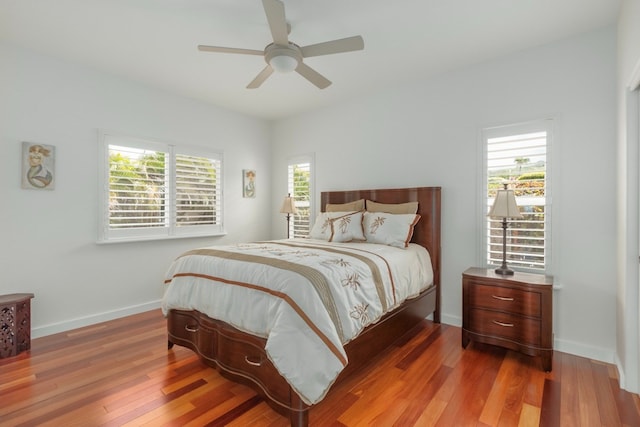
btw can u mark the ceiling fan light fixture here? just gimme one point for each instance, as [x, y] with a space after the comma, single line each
[284, 56]
[283, 63]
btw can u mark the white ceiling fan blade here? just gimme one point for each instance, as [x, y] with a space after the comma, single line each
[261, 77]
[205, 48]
[277, 21]
[312, 75]
[335, 46]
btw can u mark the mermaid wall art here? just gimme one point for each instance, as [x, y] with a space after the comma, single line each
[38, 170]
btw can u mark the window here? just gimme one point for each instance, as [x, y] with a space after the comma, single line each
[299, 178]
[518, 155]
[154, 190]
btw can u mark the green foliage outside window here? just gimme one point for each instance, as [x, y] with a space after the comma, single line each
[136, 190]
[302, 197]
[526, 243]
[138, 193]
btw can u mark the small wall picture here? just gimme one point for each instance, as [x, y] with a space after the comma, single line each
[38, 166]
[248, 183]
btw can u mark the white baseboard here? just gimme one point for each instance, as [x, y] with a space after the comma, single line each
[627, 384]
[590, 352]
[621, 375]
[451, 320]
[80, 322]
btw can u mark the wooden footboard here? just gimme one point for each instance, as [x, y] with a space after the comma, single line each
[242, 358]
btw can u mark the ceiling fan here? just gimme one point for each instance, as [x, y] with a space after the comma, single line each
[285, 56]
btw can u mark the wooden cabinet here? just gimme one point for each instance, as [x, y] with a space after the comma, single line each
[515, 311]
[15, 324]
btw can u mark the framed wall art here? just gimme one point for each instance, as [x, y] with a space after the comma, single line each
[38, 166]
[248, 183]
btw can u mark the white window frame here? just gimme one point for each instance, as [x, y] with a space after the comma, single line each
[170, 230]
[547, 125]
[302, 159]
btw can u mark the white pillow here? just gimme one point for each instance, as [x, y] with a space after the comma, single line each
[346, 228]
[338, 226]
[389, 229]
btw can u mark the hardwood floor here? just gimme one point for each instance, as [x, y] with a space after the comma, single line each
[120, 373]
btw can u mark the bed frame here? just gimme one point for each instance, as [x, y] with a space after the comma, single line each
[241, 357]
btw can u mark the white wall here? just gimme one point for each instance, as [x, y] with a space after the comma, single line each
[427, 133]
[48, 237]
[628, 329]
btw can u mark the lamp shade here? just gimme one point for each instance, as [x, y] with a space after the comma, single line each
[505, 206]
[288, 205]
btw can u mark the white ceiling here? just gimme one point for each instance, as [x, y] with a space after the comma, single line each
[154, 41]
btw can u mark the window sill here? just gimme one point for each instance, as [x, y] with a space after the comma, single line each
[156, 238]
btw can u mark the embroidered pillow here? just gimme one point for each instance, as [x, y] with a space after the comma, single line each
[347, 228]
[321, 227]
[389, 229]
[338, 226]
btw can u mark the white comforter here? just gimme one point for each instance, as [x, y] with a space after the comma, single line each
[306, 297]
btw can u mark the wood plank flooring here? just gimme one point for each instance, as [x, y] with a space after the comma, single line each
[120, 373]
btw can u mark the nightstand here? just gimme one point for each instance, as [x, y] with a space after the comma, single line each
[515, 312]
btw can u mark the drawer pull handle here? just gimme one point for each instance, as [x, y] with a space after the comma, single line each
[252, 362]
[506, 325]
[189, 328]
[502, 298]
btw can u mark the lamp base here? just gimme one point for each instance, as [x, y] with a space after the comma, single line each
[288, 225]
[504, 271]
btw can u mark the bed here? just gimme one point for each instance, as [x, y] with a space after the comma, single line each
[291, 380]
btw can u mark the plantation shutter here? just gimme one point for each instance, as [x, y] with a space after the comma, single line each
[153, 190]
[136, 187]
[517, 156]
[299, 186]
[197, 191]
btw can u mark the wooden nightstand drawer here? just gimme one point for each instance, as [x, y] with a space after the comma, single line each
[513, 311]
[506, 299]
[519, 329]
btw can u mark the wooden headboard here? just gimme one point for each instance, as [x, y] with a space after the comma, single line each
[426, 232]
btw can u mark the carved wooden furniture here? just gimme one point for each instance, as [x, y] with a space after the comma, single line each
[15, 324]
[510, 311]
[241, 356]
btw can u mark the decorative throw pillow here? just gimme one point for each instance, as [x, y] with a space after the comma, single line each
[321, 227]
[338, 226]
[357, 205]
[389, 229]
[347, 228]
[394, 208]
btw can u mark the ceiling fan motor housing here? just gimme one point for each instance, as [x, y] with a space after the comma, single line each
[283, 58]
